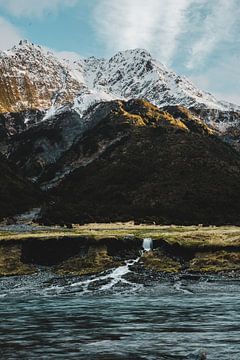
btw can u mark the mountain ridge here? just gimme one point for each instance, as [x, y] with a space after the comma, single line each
[34, 78]
[148, 139]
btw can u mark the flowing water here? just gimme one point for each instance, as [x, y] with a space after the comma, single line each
[147, 244]
[120, 314]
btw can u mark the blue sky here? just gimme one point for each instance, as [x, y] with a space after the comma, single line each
[196, 38]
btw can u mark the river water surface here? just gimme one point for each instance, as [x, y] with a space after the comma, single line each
[48, 317]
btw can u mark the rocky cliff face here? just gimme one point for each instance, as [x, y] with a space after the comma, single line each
[32, 78]
[144, 164]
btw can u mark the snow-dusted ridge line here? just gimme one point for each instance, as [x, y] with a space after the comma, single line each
[78, 83]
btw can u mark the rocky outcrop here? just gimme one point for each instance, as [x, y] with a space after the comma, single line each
[225, 122]
[31, 78]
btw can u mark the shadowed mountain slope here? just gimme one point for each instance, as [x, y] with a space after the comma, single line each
[145, 164]
[16, 193]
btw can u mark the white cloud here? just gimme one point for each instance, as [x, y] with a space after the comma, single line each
[153, 24]
[33, 7]
[11, 36]
[217, 27]
[222, 80]
[190, 29]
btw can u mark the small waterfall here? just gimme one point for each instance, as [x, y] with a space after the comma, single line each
[147, 244]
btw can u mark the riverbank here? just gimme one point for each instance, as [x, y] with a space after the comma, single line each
[94, 248]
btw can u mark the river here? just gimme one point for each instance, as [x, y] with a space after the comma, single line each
[45, 316]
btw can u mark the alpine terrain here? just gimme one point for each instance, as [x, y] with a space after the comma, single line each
[118, 139]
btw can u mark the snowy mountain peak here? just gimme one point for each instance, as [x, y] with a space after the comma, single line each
[32, 77]
[25, 50]
[132, 54]
[26, 43]
[23, 46]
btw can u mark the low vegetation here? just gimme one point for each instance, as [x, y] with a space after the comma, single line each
[98, 247]
[165, 167]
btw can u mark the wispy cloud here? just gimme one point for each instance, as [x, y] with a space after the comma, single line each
[217, 27]
[167, 28]
[37, 8]
[222, 79]
[153, 24]
[198, 38]
[12, 34]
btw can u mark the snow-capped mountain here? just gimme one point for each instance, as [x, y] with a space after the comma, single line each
[33, 78]
[83, 132]
[135, 74]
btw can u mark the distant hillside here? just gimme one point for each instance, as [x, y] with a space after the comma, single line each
[145, 164]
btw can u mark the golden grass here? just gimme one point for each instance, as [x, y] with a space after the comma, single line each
[184, 235]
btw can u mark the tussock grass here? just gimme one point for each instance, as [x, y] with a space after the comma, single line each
[187, 236]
